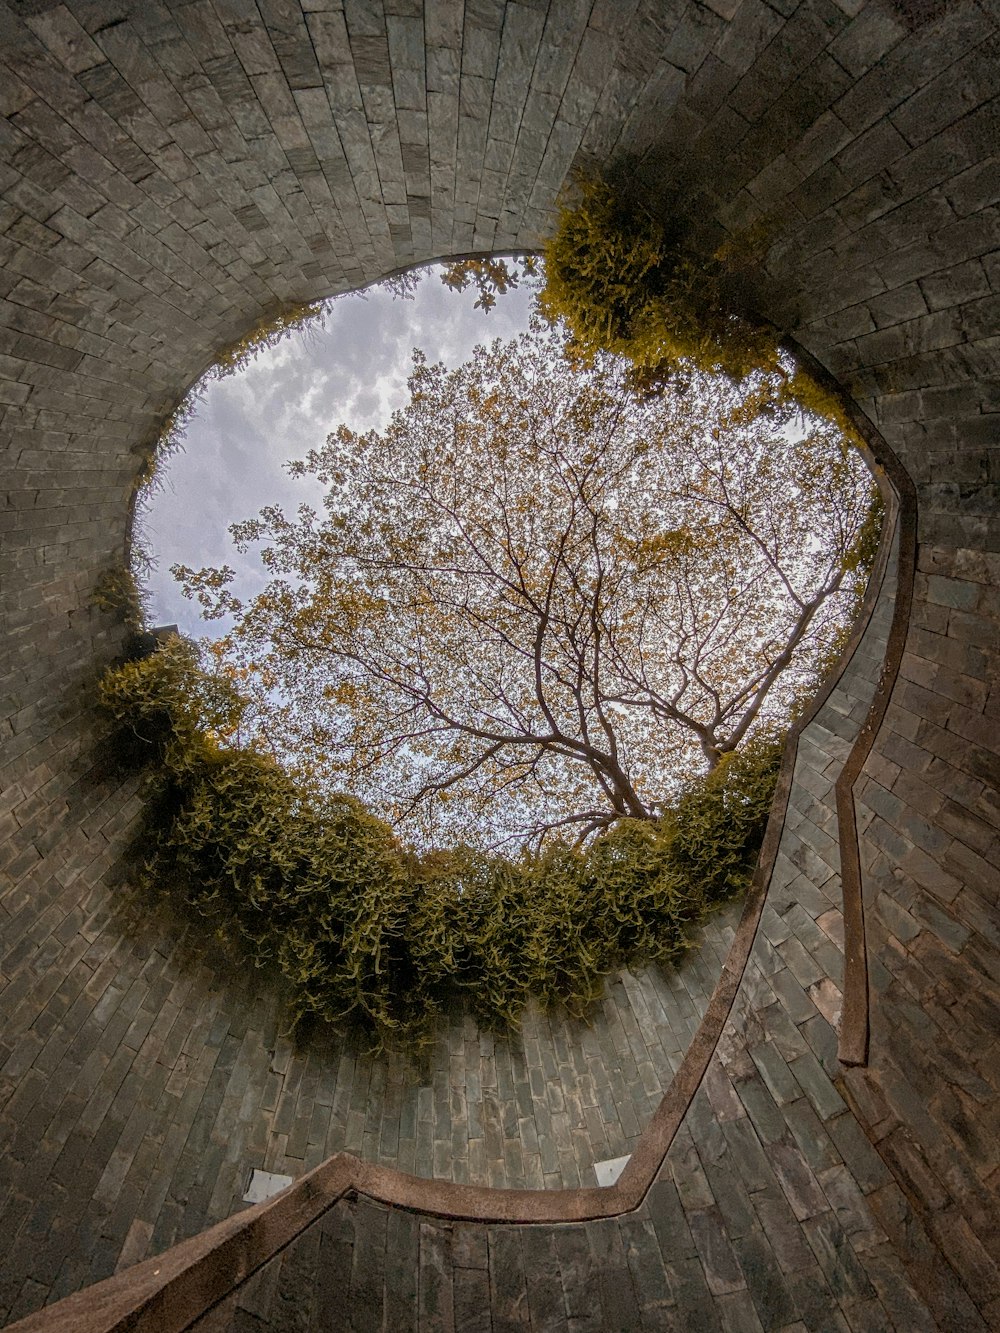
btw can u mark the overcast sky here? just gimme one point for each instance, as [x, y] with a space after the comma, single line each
[354, 371]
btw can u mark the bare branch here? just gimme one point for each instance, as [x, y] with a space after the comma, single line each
[534, 599]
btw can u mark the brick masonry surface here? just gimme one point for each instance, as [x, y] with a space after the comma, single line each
[192, 1085]
[169, 173]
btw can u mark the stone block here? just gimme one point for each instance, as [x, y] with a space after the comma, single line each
[769, 1291]
[722, 1270]
[646, 1266]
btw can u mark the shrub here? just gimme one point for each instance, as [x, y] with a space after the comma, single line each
[362, 927]
[625, 281]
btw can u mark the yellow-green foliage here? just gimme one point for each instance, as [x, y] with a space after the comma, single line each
[365, 929]
[859, 562]
[117, 592]
[624, 283]
[267, 332]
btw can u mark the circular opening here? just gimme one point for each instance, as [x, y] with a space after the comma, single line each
[507, 711]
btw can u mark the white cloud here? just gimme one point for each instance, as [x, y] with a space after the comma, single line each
[354, 370]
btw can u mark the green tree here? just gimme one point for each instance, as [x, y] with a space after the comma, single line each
[537, 601]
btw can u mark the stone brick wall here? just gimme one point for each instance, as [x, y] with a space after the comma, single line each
[169, 173]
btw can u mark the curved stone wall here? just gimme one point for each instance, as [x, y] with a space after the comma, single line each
[172, 172]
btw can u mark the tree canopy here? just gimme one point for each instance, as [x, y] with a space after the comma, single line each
[537, 601]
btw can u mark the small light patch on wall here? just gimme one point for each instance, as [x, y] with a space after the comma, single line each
[264, 1185]
[608, 1172]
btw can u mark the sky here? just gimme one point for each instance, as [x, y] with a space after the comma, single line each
[248, 425]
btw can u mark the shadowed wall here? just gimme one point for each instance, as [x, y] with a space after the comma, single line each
[172, 172]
